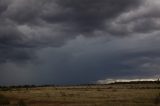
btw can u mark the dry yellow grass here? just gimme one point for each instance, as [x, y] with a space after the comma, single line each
[106, 95]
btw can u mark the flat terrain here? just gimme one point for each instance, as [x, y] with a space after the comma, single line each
[93, 95]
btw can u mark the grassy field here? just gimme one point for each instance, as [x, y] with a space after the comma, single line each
[93, 95]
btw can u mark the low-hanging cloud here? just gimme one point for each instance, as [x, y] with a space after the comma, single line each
[95, 36]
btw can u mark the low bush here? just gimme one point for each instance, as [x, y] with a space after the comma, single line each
[21, 103]
[4, 100]
[157, 99]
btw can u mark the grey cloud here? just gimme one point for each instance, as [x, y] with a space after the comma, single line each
[81, 16]
[90, 15]
[43, 23]
[9, 35]
[63, 20]
[81, 61]
[63, 41]
[143, 19]
[3, 5]
[23, 11]
[16, 55]
[13, 45]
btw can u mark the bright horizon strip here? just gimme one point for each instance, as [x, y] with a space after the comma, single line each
[108, 81]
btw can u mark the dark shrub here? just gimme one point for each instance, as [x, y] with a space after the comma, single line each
[157, 99]
[4, 100]
[21, 103]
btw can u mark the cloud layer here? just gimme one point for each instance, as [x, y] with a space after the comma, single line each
[78, 41]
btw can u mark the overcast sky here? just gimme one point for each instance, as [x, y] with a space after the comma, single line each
[78, 41]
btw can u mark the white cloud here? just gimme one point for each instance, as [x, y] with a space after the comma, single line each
[108, 81]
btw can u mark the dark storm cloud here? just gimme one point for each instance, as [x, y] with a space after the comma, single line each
[80, 16]
[144, 19]
[9, 54]
[3, 5]
[65, 40]
[83, 62]
[24, 11]
[9, 35]
[40, 23]
[13, 46]
[88, 15]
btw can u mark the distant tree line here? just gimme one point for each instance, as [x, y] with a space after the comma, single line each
[6, 88]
